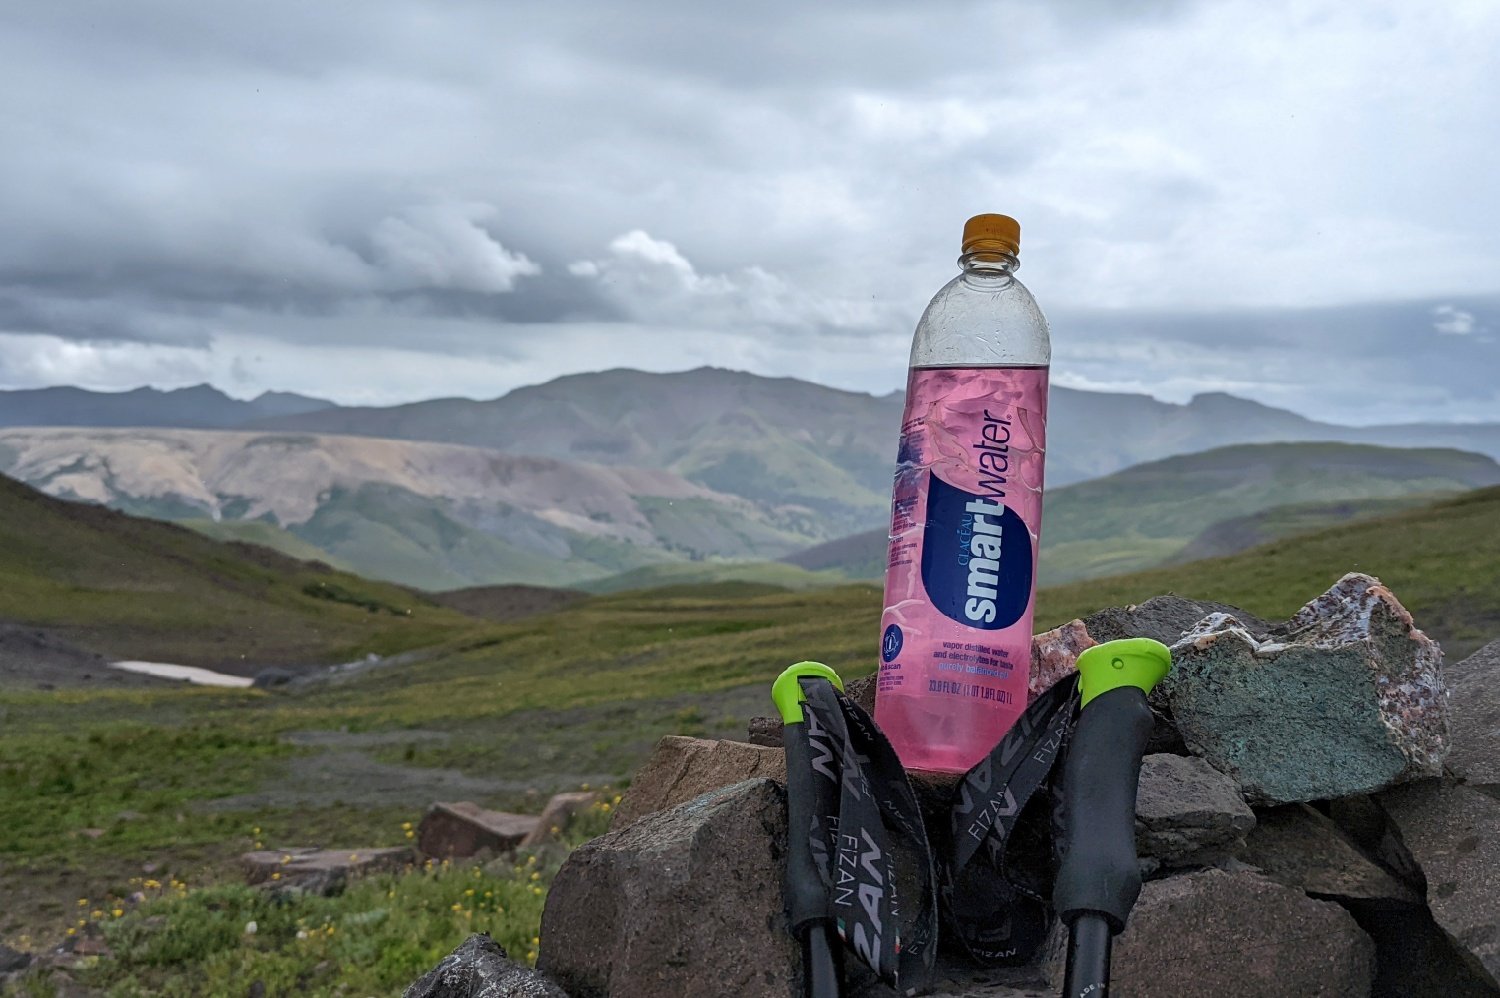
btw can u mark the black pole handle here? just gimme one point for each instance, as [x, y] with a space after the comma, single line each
[1099, 877]
[808, 914]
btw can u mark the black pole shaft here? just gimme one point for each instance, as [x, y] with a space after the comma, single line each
[820, 963]
[1089, 941]
[806, 899]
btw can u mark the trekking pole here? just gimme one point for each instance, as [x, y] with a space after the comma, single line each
[806, 897]
[1099, 878]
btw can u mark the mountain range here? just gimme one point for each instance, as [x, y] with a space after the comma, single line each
[437, 516]
[198, 407]
[617, 471]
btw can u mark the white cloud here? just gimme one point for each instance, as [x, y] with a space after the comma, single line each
[1453, 321]
[28, 361]
[445, 246]
[656, 283]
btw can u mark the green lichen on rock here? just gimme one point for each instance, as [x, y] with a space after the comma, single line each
[1345, 698]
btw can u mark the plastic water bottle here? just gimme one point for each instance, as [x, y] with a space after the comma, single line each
[966, 513]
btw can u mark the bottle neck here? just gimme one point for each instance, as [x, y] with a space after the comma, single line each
[988, 268]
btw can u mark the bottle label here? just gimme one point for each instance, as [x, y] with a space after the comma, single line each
[961, 577]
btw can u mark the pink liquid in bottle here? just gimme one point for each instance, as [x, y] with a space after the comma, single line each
[966, 513]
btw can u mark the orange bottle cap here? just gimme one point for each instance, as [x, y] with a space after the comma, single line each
[993, 234]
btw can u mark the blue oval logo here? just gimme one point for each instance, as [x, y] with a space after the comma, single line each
[890, 643]
[976, 558]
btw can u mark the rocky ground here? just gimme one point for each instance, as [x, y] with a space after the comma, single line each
[1353, 852]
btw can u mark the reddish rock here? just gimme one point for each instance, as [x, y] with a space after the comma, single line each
[463, 829]
[682, 768]
[1054, 654]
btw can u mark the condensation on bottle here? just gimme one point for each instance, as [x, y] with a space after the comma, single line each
[966, 512]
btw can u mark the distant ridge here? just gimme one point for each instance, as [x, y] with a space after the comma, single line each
[198, 407]
[1213, 503]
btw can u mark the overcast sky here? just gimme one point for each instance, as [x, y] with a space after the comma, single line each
[385, 200]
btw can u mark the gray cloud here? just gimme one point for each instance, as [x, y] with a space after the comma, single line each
[1288, 200]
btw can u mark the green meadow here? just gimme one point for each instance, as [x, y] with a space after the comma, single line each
[97, 786]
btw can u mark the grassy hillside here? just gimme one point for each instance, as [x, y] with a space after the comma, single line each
[1442, 561]
[1208, 504]
[701, 573]
[1143, 515]
[132, 588]
[1240, 533]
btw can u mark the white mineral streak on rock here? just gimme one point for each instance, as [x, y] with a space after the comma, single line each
[1359, 609]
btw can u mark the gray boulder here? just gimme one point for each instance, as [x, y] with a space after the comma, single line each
[682, 768]
[1301, 848]
[1187, 813]
[480, 968]
[1163, 618]
[685, 901]
[319, 871]
[1474, 686]
[1233, 935]
[271, 678]
[1345, 698]
[1453, 834]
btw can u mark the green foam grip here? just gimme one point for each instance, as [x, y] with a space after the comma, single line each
[1138, 662]
[786, 692]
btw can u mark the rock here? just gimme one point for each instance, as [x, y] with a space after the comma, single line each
[1233, 935]
[90, 946]
[1301, 848]
[1054, 654]
[1346, 698]
[682, 768]
[1453, 833]
[765, 731]
[1187, 813]
[685, 901]
[1368, 826]
[862, 691]
[12, 960]
[964, 980]
[480, 968]
[464, 829]
[558, 815]
[319, 871]
[270, 678]
[1474, 709]
[1163, 618]
[1413, 956]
